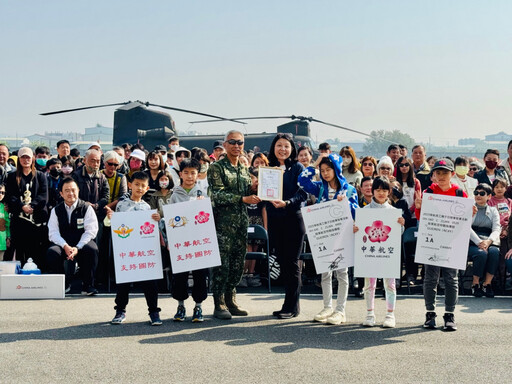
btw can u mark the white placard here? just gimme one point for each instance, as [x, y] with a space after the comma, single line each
[329, 227]
[270, 183]
[443, 232]
[136, 246]
[378, 243]
[191, 235]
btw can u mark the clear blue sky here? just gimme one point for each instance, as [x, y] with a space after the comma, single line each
[434, 69]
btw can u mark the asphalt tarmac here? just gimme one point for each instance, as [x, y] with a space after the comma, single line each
[72, 341]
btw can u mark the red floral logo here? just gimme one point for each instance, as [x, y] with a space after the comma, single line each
[378, 232]
[202, 217]
[18, 287]
[147, 228]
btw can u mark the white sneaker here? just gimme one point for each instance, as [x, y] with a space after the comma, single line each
[322, 316]
[369, 321]
[389, 321]
[336, 318]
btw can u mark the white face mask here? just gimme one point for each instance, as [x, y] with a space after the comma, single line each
[164, 158]
[67, 169]
[164, 184]
[347, 160]
[204, 168]
[175, 147]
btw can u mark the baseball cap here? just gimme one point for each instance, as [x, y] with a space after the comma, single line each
[138, 154]
[25, 151]
[218, 144]
[443, 164]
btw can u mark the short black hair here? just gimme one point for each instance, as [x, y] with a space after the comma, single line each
[484, 187]
[499, 180]
[366, 178]
[42, 150]
[393, 146]
[492, 152]
[67, 180]
[190, 163]
[381, 182]
[461, 160]
[139, 175]
[75, 152]
[53, 161]
[402, 146]
[324, 146]
[174, 138]
[60, 142]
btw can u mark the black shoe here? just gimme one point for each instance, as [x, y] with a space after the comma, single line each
[430, 322]
[68, 288]
[476, 290]
[359, 293]
[449, 322]
[487, 290]
[287, 315]
[89, 291]
[411, 281]
[277, 313]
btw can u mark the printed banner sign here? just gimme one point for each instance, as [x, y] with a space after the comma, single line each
[329, 227]
[136, 246]
[378, 243]
[191, 235]
[443, 232]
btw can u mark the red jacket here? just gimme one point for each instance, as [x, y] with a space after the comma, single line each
[438, 191]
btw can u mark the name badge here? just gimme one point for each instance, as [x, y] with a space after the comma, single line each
[79, 223]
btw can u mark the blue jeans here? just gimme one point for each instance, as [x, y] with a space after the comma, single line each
[484, 261]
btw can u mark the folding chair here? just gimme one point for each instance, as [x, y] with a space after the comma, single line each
[257, 232]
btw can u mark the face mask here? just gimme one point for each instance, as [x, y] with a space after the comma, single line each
[135, 164]
[175, 147]
[67, 169]
[461, 170]
[55, 172]
[163, 184]
[204, 168]
[347, 160]
[491, 164]
[397, 193]
[41, 162]
[164, 158]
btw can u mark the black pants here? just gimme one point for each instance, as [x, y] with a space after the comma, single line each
[286, 238]
[27, 241]
[87, 259]
[180, 285]
[150, 293]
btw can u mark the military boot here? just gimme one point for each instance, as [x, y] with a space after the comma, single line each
[220, 311]
[232, 305]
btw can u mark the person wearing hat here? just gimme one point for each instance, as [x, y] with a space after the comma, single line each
[324, 148]
[136, 162]
[27, 196]
[443, 171]
[218, 149]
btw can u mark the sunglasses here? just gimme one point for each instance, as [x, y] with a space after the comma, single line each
[404, 165]
[479, 193]
[367, 164]
[385, 168]
[235, 142]
[473, 169]
[112, 164]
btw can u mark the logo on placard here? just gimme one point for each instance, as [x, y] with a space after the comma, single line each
[123, 231]
[147, 228]
[378, 232]
[178, 221]
[18, 287]
[202, 217]
[457, 209]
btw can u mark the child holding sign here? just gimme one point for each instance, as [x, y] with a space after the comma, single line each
[332, 186]
[443, 171]
[381, 190]
[188, 190]
[139, 186]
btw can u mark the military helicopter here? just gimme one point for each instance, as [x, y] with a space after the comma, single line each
[135, 122]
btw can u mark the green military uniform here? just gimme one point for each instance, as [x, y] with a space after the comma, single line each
[227, 185]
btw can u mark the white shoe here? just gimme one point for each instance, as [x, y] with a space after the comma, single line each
[322, 316]
[336, 318]
[389, 321]
[369, 321]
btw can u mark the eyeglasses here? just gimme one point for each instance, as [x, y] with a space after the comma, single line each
[473, 169]
[368, 164]
[404, 165]
[112, 164]
[385, 169]
[235, 142]
[479, 193]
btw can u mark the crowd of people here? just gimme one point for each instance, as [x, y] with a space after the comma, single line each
[56, 209]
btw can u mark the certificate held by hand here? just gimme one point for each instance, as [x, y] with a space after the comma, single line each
[270, 183]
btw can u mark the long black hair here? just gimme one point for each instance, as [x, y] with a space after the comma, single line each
[410, 174]
[272, 159]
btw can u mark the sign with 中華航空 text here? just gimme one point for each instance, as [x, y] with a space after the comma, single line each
[136, 246]
[191, 235]
[378, 243]
[443, 231]
[329, 227]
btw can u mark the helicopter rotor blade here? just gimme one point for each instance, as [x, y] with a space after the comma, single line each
[80, 109]
[195, 113]
[245, 118]
[351, 130]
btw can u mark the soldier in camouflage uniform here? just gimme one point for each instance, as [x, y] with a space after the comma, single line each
[229, 188]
